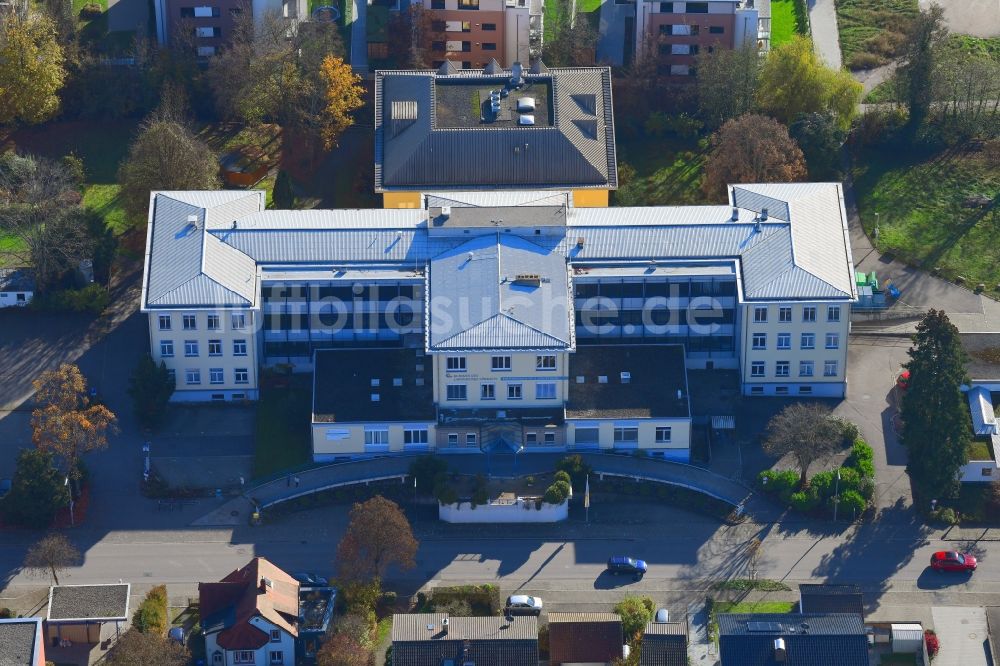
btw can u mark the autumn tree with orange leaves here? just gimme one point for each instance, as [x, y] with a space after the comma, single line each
[66, 423]
[378, 536]
[343, 95]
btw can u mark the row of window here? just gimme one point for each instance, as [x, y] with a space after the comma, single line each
[650, 288]
[806, 341]
[192, 376]
[588, 435]
[462, 4]
[458, 392]
[213, 322]
[781, 390]
[501, 363]
[191, 348]
[466, 26]
[688, 30]
[275, 657]
[684, 7]
[785, 313]
[784, 368]
[466, 46]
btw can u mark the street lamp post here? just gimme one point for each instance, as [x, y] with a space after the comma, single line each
[145, 469]
[836, 497]
[72, 520]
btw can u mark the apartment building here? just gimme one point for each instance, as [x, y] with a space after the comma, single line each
[494, 129]
[680, 31]
[471, 33]
[213, 21]
[502, 319]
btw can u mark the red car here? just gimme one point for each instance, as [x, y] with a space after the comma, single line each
[952, 561]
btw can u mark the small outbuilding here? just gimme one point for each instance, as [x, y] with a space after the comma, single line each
[78, 613]
[17, 287]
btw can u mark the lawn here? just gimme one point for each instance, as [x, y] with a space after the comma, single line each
[281, 436]
[872, 31]
[785, 21]
[922, 220]
[668, 171]
[755, 606]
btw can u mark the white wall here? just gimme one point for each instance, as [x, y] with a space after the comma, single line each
[478, 371]
[979, 471]
[8, 299]
[331, 440]
[522, 512]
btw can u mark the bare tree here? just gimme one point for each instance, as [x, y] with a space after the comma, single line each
[807, 432]
[135, 648]
[378, 536]
[52, 554]
[754, 550]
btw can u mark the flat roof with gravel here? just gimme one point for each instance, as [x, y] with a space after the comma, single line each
[88, 602]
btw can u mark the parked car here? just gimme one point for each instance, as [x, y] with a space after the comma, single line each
[949, 560]
[310, 579]
[522, 604]
[627, 565]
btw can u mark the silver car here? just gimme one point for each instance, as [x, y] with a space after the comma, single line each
[522, 604]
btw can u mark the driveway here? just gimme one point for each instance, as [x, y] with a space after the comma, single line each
[964, 636]
[980, 18]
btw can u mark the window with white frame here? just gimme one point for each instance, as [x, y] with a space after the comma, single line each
[239, 321]
[545, 391]
[808, 341]
[415, 436]
[626, 435]
[243, 657]
[487, 391]
[213, 322]
[785, 314]
[217, 657]
[190, 322]
[663, 434]
[457, 392]
[760, 315]
[806, 368]
[833, 340]
[546, 362]
[215, 347]
[587, 435]
[757, 369]
[549, 438]
[830, 368]
[470, 439]
[499, 363]
[276, 635]
[756, 390]
[190, 347]
[833, 313]
[809, 313]
[780, 390]
[514, 392]
[166, 348]
[452, 439]
[239, 347]
[456, 364]
[216, 376]
[760, 340]
[192, 376]
[531, 438]
[277, 658]
[164, 322]
[782, 369]
[376, 436]
[241, 376]
[784, 340]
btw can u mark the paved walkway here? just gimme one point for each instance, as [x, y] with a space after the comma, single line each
[237, 511]
[964, 636]
[826, 39]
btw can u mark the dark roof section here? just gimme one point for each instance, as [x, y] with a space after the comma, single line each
[656, 373]
[426, 135]
[88, 602]
[829, 598]
[984, 355]
[664, 644]
[421, 639]
[343, 386]
[810, 639]
[584, 638]
[16, 279]
[20, 641]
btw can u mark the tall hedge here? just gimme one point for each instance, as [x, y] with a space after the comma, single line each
[151, 616]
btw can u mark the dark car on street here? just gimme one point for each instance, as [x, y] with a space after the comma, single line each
[949, 560]
[627, 565]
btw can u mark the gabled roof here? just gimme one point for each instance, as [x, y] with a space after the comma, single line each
[664, 644]
[584, 638]
[810, 639]
[576, 151]
[187, 266]
[499, 292]
[422, 639]
[227, 607]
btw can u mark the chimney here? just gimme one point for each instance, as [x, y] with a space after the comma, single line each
[763, 215]
[446, 212]
[736, 214]
[780, 653]
[265, 583]
[444, 626]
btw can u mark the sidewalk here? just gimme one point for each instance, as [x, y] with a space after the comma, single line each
[826, 39]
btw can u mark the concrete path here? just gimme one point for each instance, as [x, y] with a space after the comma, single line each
[870, 78]
[980, 18]
[359, 36]
[826, 39]
[964, 636]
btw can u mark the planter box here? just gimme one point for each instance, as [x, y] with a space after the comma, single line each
[521, 511]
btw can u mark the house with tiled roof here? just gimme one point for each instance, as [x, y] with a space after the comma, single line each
[585, 638]
[664, 644]
[435, 639]
[809, 639]
[251, 616]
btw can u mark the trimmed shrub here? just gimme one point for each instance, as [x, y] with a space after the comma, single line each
[823, 485]
[851, 503]
[862, 459]
[151, 616]
[778, 482]
[444, 493]
[576, 468]
[945, 515]
[561, 476]
[804, 500]
[92, 298]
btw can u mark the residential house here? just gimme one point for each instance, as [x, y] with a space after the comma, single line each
[81, 616]
[433, 639]
[17, 287]
[251, 616]
[494, 129]
[681, 31]
[664, 644]
[809, 639]
[22, 642]
[983, 392]
[585, 638]
[471, 33]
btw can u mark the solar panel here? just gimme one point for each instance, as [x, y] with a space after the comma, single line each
[769, 627]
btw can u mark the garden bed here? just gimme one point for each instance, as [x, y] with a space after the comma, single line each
[872, 32]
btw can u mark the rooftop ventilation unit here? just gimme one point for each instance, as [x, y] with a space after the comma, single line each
[763, 215]
[626, 377]
[780, 653]
[736, 214]
[580, 241]
[602, 379]
[530, 279]
[444, 625]
[267, 582]
[517, 75]
[446, 211]
[526, 119]
[526, 104]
